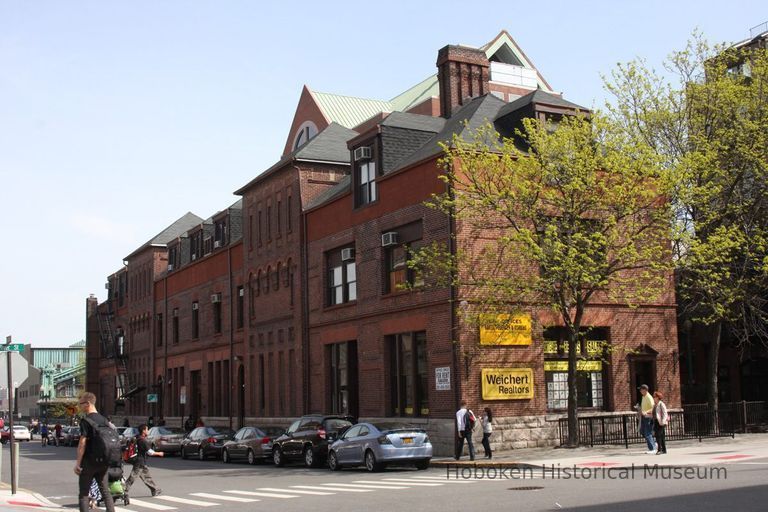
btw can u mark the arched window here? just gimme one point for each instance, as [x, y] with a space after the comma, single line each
[306, 131]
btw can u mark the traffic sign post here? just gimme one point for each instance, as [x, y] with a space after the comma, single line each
[10, 415]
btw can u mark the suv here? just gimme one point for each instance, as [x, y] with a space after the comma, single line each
[307, 438]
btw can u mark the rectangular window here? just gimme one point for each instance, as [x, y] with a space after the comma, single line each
[342, 358]
[175, 326]
[269, 223]
[289, 214]
[399, 274]
[195, 320]
[160, 328]
[590, 378]
[409, 376]
[172, 257]
[240, 306]
[250, 232]
[217, 317]
[342, 278]
[365, 182]
[279, 223]
[259, 228]
[220, 234]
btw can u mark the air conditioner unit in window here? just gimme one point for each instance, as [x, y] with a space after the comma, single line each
[242, 292]
[362, 153]
[170, 267]
[389, 239]
[195, 306]
[215, 298]
[194, 257]
[348, 254]
[216, 244]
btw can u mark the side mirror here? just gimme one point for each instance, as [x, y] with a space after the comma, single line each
[332, 436]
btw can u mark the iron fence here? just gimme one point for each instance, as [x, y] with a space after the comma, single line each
[624, 429]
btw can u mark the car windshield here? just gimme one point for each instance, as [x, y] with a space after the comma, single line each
[270, 431]
[165, 431]
[337, 424]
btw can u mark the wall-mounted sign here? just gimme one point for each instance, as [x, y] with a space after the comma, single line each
[594, 347]
[443, 378]
[514, 329]
[183, 395]
[581, 366]
[151, 398]
[507, 383]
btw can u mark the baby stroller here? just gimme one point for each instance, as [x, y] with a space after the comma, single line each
[116, 489]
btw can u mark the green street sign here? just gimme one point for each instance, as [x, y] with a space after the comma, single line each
[16, 347]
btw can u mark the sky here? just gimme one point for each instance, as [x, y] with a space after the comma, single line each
[117, 117]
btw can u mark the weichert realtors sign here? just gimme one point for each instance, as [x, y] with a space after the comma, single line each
[507, 383]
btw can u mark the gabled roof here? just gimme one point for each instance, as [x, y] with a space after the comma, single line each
[181, 225]
[541, 98]
[349, 111]
[414, 122]
[471, 116]
[330, 145]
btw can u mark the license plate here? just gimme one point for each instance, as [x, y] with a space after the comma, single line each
[407, 440]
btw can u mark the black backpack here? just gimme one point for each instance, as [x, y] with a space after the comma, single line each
[105, 443]
[469, 421]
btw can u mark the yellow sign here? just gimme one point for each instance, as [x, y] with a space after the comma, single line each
[594, 347]
[582, 366]
[507, 383]
[505, 329]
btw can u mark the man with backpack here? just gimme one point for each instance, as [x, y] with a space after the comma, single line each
[98, 446]
[465, 424]
[140, 469]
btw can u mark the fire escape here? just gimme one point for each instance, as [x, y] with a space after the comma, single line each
[112, 348]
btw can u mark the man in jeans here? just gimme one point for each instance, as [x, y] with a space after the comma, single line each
[140, 469]
[464, 432]
[646, 421]
[87, 468]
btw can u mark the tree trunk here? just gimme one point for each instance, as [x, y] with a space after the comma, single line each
[713, 400]
[573, 401]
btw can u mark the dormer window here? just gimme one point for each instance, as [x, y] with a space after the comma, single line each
[365, 175]
[220, 233]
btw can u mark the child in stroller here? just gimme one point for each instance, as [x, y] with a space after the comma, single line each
[115, 478]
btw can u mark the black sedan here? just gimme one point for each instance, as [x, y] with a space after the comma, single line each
[251, 443]
[205, 442]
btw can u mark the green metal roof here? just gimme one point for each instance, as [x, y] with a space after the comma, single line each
[416, 94]
[349, 111]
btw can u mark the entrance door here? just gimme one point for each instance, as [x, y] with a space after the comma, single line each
[343, 378]
[643, 372]
[241, 395]
[195, 395]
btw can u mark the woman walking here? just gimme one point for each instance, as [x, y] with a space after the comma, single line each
[487, 431]
[661, 418]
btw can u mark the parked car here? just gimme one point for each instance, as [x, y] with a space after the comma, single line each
[70, 436]
[20, 433]
[377, 444]
[165, 439]
[205, 442]
[307, 439]
[251, 443]
[125, 433]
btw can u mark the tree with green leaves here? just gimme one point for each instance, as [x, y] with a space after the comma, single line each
[566, 212]
[707, 119]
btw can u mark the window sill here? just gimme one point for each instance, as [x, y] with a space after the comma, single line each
[340, 306]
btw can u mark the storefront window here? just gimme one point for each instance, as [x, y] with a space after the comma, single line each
[590, 376]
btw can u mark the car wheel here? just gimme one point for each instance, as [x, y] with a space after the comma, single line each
[333, 461]
[310, 459]
[277, 457]
[225, 457]
[371, 464]
[200, 454]
[251, 458]
[184, 454]
[422, 465]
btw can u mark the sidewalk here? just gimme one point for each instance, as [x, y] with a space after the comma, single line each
[715, 451]
[24, 500]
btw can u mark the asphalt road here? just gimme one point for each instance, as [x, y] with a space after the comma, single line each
[193, 485]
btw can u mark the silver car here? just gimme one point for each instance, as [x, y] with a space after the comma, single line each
[165, 439]
[378, 444]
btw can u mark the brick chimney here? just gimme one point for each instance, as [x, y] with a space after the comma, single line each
[462, 73]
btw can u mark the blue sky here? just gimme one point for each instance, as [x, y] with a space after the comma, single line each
[116, 118]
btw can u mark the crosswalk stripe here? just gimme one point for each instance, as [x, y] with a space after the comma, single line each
[442, 480]
[393, 484]
[225, 498]
[185, 501]
[370, 486]
[296, 491]
[263, 494]
[341, 489]
[153, 506]
[403, 481]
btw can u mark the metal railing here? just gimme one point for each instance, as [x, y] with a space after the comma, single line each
[747, 416]
[624, 429]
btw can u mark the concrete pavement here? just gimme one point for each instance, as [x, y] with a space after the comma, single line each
[24, 500]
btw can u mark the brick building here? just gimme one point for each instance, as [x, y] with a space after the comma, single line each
[308, 310]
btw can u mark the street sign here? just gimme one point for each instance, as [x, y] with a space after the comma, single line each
[151, 398]
[16, 347]
[19, 368]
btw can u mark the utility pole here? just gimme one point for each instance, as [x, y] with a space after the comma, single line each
[8, 340]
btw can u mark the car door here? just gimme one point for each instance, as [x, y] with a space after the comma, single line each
[246, 435]
[305, 434]
[194, 440]
[344, 448]
[357, 445]
[289, 442]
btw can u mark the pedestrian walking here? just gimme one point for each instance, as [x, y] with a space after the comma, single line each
[646, 420]
[140, 468]
[44, 435]
[89, 464]
[486, 422]
[661, 418]
[465, 424]
[57, 435]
